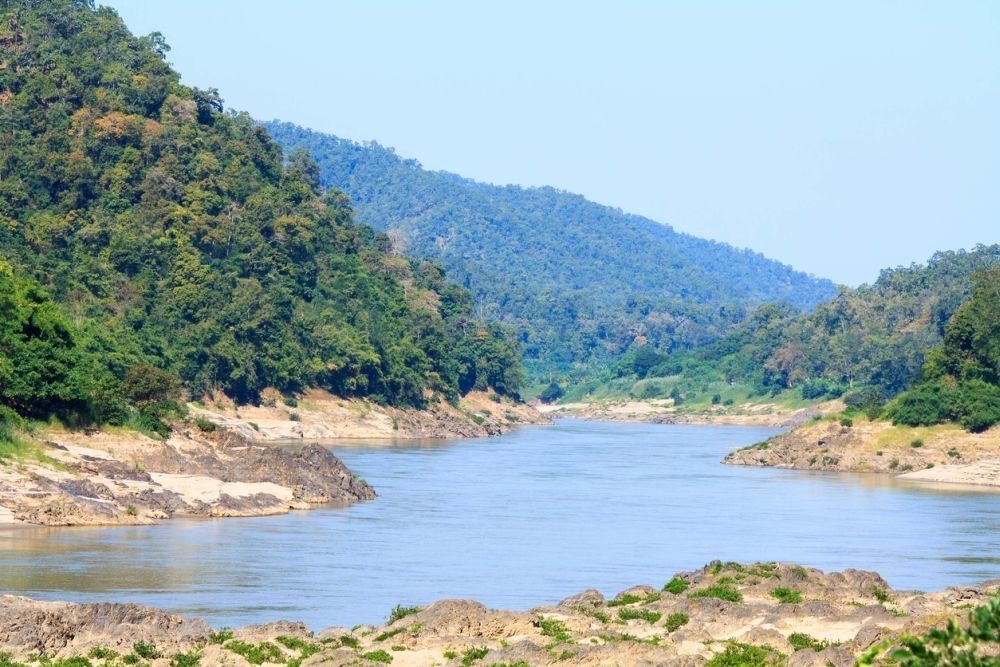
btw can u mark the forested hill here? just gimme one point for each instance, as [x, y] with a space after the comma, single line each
[579, 280]
[148, 238]
[873, 339]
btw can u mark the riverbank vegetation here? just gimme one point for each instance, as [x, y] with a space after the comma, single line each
[154, 245]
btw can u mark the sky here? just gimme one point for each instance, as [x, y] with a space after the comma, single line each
[839, 137]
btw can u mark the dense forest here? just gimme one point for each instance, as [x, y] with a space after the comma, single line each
[581, 282]
[153, 244]
[869, 343]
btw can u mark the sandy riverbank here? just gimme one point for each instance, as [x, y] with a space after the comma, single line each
[817, 619]
[942, 454]
[658, 411]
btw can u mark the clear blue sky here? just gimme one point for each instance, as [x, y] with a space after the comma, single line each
[840, 137]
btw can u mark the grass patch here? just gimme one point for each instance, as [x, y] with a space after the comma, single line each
[474, 654]
[631, 614]
[677, 586]
[719, 591]
[146, 650]
[628, 598]
[377, 656]
[786, 595]
[881, 595]
[388, 634]
[557, 630]
[185, 659]
[676, 620]
[350, 642]
[745, 655]
[101, 653]
[399, 611]
[255, 654]
[305, 647]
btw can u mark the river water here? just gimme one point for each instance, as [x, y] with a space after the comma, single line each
[515, 521]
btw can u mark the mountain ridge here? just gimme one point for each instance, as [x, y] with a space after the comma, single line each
[583, 282]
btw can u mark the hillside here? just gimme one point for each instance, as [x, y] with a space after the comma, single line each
[153, 244]
[868, 344]
[579, 280]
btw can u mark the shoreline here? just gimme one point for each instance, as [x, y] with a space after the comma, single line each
[943, 454]
[799, 615]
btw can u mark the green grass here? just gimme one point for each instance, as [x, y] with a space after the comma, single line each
[101, 653]
[474, 654]
[719, 591]
[377, 656]
[677, 586]
[388, 634]
[676, 620]
[399, 611]
[631, 614]
[557, 630]
[146, 650]
[220, 636]
[191, 659]
[349, 641]
[744, 655]
[255, 654]
[305, 647]
[786, 595]
[881, 595]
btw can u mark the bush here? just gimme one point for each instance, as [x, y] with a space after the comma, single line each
[675, 621]
[204, 425]
[677, 586]
[846, 421]
[399, 611]
[916, 443]
[632, 613]
[551, 394]
[925, 405]
[720, 591]
[146, 650]
[716, 399]
[744, 655]
[786, 595]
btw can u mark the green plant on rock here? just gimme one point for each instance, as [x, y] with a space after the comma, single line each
[719, 591]
[399, 611]
[677, 586]
[786, 595]
[378, 656]
[745, 655]
[676, 620]
[631, 613]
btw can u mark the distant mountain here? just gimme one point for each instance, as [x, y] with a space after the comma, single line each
[579, 280]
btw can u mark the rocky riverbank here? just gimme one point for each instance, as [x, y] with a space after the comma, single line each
[664, 412]
[123, 477]
[761, 613]
[319, 415]
[943, 453]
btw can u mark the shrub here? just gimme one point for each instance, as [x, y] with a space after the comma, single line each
[205, 425]
[916, 443]
[628, 598]
[551, 394]
[846, 421]
[377, 656]
[290, 401]
[744, 655]
[675, 621]
[801, 641]
[146, 650]
[185, 659]
[677, 586]
[716, 399]
[786, 595]
[550, 627]
[255, 654]
[220, 636]
[101, 653]
[632, 613]
[473, 654]
[399, 611]
[924, 405]
[720, 591]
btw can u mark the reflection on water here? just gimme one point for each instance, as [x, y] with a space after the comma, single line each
[515, 521]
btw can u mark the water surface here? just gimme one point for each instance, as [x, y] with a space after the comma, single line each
[514, 521]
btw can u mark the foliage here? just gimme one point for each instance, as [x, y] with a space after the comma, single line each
[632, 613]
[786, 595]
[745, 655]
[399, 611]
[953, 646]
[961, 381]
[720, 591]
[676, 620]
[150, 238]
[677, 586]
[582, 283]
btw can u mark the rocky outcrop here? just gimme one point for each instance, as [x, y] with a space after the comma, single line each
[796, 616]
[99, 478]
[319, 415]
[943, 453]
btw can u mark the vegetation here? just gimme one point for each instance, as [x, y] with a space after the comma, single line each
[153, 245]
[786, 595]
[961, 380]
[676, 620]
[717, 590]
[631, 613]
[399, 611]
[954, 646]
[676, 586]
[583, 283]
[866, 345]
[745, 655]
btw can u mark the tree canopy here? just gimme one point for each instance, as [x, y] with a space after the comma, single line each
[142, 225]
